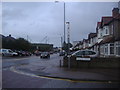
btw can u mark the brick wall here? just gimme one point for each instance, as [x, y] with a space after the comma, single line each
[94, 63]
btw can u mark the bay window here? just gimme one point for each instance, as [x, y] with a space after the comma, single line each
[118, 48]
[111, 48]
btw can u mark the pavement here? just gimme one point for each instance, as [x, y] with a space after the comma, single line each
[52, 69]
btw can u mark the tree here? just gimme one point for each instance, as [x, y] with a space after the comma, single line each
[22, 44]
[8, 44]
[15, 44]
[65, 46]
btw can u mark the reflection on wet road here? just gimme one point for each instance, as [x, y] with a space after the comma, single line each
[14, 79]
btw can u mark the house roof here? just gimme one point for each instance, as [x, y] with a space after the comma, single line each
[106, 20]
[1, 36]
[85, 40]
[91, 35]
[107, 40]
[10, 38]
[80, 43]
[98, 24]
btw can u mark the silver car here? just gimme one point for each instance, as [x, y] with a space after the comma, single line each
[85, 53]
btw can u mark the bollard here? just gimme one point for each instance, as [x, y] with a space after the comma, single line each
[68, 62]
[60, 63]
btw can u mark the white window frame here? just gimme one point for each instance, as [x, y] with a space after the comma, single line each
[117, 45]
[106, 49]
[113, 49]
[102, 49]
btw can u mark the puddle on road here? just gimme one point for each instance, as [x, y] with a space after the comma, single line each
[9, 65]
[33, 72]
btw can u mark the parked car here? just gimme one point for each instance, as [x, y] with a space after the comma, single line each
[45, 55]
[85, 53]
[7, 52]
[27, 53]
[61, 53]
[37, 53]
[51, 52]
[23, 53]
[20, 53]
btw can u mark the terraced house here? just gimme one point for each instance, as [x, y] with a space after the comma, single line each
[106, 39]
[108, 32]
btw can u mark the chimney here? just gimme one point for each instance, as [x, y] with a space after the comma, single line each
[115, 12]
[9, 35]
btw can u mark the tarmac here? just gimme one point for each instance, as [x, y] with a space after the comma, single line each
[53, 70]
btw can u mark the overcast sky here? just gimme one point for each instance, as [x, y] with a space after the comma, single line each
[40, 19]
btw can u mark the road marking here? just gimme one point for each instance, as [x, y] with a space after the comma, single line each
[47, 77]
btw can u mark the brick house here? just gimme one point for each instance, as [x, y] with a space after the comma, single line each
[106, 40]
[92, 37]
[108, 31]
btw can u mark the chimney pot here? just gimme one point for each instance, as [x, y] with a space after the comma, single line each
[115, 12]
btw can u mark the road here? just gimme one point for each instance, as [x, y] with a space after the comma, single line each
[14, 79]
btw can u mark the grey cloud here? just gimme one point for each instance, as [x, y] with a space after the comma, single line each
[38, 20]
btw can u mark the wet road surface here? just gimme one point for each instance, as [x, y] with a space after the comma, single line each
[12, 79]
[23, 81]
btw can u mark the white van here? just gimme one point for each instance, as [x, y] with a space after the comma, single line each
[7, 52]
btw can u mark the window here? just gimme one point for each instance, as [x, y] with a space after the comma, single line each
[112, 48]
[106, 49]
[4, 51]
[117, 48]
[106, 31]
[101, 49]
[10, 51]
[101, 34]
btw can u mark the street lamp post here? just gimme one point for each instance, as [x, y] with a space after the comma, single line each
[64, 21]
[68, 40]
[68, 36]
